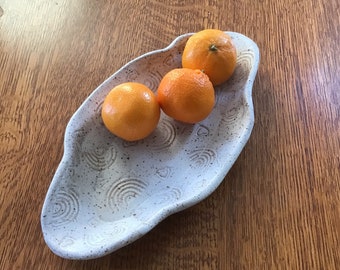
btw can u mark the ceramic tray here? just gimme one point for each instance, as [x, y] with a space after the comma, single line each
[108, 192]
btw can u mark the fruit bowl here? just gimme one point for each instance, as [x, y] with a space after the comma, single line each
[107, 192]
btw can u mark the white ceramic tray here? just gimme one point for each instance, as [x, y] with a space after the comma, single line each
[107, 192]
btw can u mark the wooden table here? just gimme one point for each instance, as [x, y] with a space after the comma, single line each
[278, 207]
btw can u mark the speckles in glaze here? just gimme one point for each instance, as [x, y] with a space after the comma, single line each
[131, 75]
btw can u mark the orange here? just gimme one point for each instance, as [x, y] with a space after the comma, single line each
[213, 52]
[131, 111]
[186, 95]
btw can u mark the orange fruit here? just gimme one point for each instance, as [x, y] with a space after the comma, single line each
[186, 95]
[130, 111]
[213, 52]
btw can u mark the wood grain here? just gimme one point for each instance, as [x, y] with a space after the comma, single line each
[278, 208]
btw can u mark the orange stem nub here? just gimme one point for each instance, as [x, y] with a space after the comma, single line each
[213, 48]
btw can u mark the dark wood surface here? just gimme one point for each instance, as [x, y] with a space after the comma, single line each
[279, 206]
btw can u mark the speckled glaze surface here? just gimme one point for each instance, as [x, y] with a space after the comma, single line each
[107, 192]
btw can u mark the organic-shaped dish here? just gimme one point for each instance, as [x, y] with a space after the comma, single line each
[107, 192]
